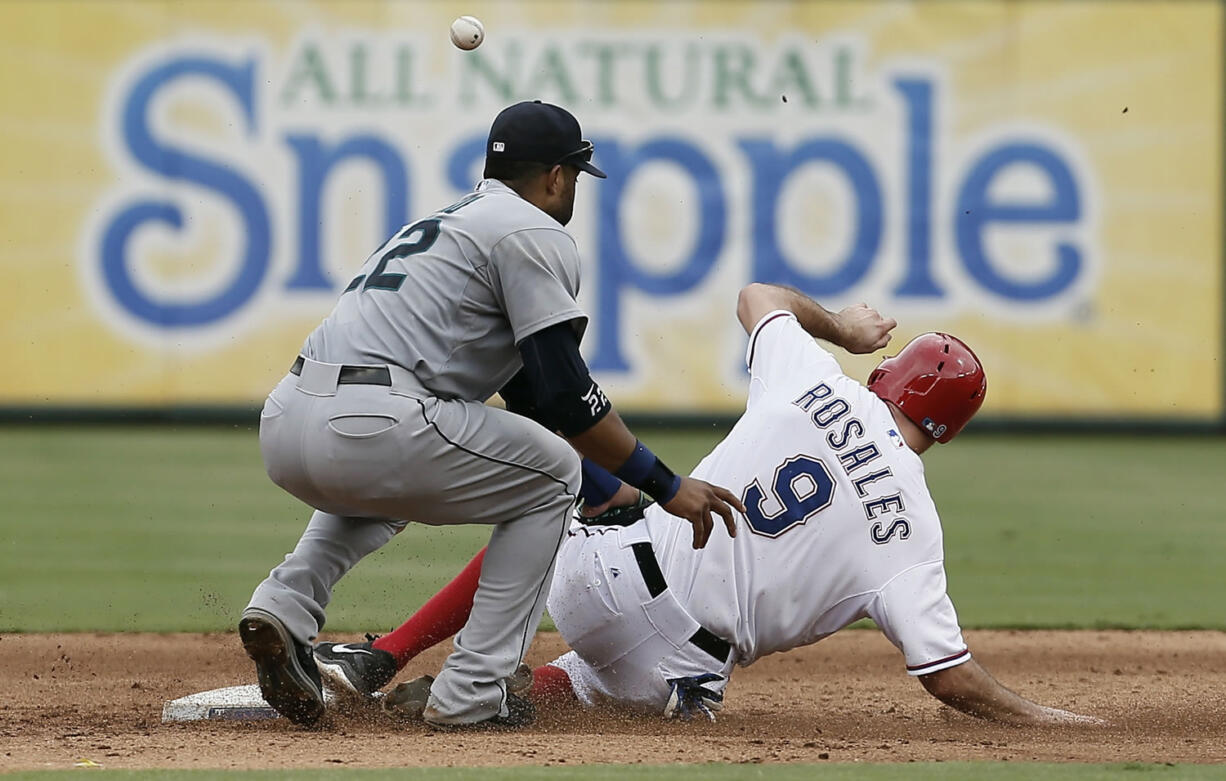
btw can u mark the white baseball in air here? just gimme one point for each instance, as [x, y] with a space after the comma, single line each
[467, 32]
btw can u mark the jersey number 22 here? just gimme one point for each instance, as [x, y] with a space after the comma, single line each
[416, 238]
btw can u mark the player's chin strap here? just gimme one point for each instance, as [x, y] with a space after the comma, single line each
[688, 697]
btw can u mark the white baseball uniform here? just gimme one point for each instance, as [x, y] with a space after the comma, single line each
[840, 526]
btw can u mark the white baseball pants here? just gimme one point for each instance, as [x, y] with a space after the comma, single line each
[625, 643]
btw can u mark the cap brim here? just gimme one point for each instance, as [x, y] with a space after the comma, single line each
[587, 167]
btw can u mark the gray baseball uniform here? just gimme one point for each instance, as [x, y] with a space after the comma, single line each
[437, 312]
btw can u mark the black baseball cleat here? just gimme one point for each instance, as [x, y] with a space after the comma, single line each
[408, 701]
[354, 669]
[289, 679]
[520, 713]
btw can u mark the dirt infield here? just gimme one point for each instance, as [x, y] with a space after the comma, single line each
[99, 697]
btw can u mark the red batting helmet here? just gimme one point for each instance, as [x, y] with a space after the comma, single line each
[936, 381]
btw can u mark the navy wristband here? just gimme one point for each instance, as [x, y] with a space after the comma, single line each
[643, 470]
[661, 485]
[638, 465]
[598, 485]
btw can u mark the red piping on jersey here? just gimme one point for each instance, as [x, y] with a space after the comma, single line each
[758, 330]
[961, 653]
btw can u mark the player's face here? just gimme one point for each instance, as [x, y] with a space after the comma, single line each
[563, 206]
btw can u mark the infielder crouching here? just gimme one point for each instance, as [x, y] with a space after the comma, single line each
[839, 526]
[381, 420]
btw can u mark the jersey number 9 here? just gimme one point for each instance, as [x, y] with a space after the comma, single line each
[802, 487]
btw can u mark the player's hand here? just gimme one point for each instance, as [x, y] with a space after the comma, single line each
[863, 329]
[696, 500]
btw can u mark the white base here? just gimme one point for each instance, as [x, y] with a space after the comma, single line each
[233, 703]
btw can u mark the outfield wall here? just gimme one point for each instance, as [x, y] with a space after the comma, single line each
[188, 186]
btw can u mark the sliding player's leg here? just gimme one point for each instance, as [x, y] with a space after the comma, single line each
[365, 668]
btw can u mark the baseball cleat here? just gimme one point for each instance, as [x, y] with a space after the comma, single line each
[520, 713]
[520, 681]
[689, 696]
[289, 679]
[408, 701]
[354, 669]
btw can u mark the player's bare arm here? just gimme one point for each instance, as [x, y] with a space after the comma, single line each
[857, 329]
[972, 690]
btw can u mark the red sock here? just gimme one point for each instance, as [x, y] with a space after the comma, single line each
[440, 618]
[551, 684]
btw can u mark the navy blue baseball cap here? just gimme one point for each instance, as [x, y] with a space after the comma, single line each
[538, 132]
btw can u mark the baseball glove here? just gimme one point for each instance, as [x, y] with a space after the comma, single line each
[625, 515]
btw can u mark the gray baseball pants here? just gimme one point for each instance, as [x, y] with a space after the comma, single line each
[371, 458]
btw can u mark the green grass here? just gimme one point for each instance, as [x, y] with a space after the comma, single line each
[919, 771]
[1082, 532]
[162, 529]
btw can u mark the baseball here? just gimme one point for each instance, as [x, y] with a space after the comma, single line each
[467, 32]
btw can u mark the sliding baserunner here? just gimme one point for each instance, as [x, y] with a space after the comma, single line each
[839, 526]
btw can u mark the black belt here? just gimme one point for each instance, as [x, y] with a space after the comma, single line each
[353, 375]
[656, 585]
